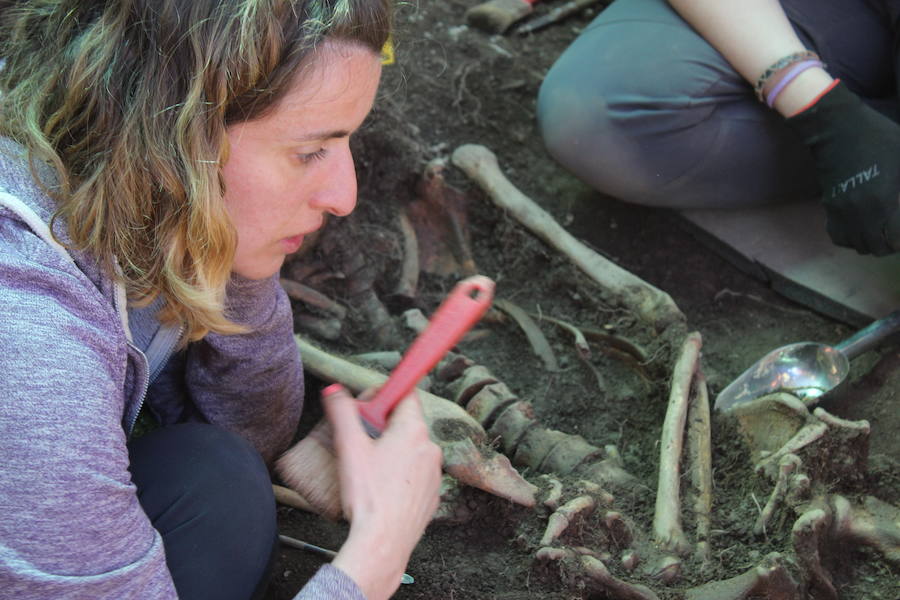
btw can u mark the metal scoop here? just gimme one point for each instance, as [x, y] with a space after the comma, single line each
[805, 369]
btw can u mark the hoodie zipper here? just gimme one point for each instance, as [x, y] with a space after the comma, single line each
[161, 348]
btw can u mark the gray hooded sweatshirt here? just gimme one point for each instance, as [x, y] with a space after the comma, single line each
[76, 366]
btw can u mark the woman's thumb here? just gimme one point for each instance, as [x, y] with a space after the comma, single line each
[340, 409]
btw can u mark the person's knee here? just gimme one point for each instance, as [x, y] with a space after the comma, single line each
[208, 492]
[572, 120]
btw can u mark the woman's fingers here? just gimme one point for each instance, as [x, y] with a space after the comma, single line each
[347, 430]
[408, 412]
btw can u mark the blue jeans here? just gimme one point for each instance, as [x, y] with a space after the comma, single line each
[208, 493]
[642, 108]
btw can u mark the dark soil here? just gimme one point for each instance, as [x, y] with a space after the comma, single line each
[453, 85]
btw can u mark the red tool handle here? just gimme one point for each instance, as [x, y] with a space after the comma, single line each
[465, 305]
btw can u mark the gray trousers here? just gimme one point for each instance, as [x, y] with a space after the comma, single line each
[642, 108]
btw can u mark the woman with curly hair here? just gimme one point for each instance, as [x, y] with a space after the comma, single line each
[158, 161]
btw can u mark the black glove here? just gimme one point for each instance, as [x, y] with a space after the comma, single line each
[857, 155]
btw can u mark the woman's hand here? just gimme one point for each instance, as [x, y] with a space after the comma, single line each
[389, 490]
[855, 152]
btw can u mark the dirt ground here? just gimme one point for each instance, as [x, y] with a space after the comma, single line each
[453, 85]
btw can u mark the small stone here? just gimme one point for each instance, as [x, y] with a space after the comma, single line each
[415, 320]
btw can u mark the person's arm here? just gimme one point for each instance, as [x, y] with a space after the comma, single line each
[71, 524]
[853, 146]
[752, 36]
[251, 383]
[389, 492]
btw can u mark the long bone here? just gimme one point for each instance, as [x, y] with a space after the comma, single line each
[624, 289]
[700, 443]
[770, 579]
[786, 466]
[667, 516]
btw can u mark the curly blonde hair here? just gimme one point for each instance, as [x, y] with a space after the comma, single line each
[129, 101]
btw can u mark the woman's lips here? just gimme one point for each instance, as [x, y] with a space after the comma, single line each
[292, 244]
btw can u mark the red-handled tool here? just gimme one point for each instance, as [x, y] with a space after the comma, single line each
[465, 305]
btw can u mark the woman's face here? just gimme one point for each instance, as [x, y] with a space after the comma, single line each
[289, 168]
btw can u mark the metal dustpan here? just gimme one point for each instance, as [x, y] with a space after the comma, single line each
[807, 370]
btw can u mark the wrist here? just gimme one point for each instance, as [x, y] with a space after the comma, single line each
[375, 572]
[802, 91]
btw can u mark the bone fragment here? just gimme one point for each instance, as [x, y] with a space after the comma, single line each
[767, 423]
[612, 453]
[806, 536]
[409, 267]
[475, 377]
[590, 487]
[609, 472]
[787, 465]
[581, 345]
[289, 497]
[630, 560]
[876, 523]
[769, 580]
[612, 586]
[568, 455]
[619, 530]
[536, 444]
[547, 554]
[554, 492]
[861, 427]
[701, 464]
[667, 516]
[560, 520]
[493, 474]
[387, 359]
[453, 365]
[585, 551]
[805, 436]
[451, 428]
[799, 489]
[308, 295]
[489, 402]
[666, 569]
[512, 423]
[414, 320]
[533, 333]
[624, 288]
[325, 328]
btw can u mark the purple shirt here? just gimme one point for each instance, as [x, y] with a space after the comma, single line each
[72, 381]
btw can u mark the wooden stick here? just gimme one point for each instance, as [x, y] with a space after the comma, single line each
[624, 288]
[667, 517]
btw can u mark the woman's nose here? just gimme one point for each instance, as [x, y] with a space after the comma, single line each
[338, 193]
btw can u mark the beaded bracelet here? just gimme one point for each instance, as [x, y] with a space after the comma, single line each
[789, 77]
[778, 66]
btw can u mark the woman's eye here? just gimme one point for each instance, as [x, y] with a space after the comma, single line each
[310, 157]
